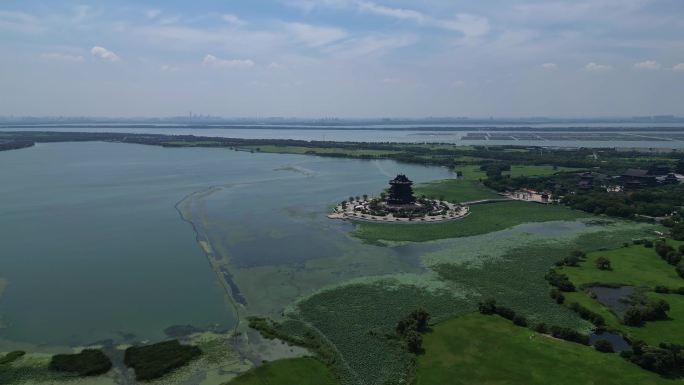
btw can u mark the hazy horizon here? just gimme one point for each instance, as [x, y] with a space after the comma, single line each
[343, 58]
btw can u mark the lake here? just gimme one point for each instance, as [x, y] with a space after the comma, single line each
[93, 247]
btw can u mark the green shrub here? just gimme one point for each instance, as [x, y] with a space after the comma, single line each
[557, 296]
[154, 361]
[603, 346]
[587, 314]
[603, 263]
[569, 335]
[561, 281]
[89, 362]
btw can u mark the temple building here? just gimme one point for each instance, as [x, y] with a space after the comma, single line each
[401, 192]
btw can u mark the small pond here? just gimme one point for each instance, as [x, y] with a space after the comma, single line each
[616, 299]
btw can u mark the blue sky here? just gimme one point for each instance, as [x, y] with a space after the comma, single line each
[344, 58]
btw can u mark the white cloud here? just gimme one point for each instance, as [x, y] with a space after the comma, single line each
[469, 25]
[153, 13]
[315, 36]
[679, 67]
[62, 57]
[457, 84]
[232, 19]
[214, 62]
[20, 22]
[597, 67]
[104, 54]
[398, 13]
[550, 66]
[369, 45]
[650, 65]
[168, 68]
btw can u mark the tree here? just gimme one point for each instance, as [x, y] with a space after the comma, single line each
[603, 346]
[488, 306]
[603, 263]
[414, 341]
[680, 269]
[422, 317]
[541, 328]
[365, 197]
[633, 317]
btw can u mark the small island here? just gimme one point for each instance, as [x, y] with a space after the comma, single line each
[398, 204]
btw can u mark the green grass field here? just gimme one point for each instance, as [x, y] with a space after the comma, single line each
[473, 172]
[634, 265]
[455, 190]
[295, 371]
[478, 349]
[482, 219]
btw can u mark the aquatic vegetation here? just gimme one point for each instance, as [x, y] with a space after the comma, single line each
[358, 318]
[156, 360]
[89, 362]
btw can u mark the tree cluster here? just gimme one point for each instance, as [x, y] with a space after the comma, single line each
[569, 335]
[573, 259]
[559, 280]
[89, 362]
[154, 361]
[411, 327]
[665, 359]
[653, 310]
[672, 256]
[588, 315]
[489, 307]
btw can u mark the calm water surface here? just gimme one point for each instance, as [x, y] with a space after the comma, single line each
[93, 247]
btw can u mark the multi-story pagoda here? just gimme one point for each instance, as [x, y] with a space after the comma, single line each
[400, 192]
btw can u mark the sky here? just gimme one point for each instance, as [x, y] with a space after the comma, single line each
[342, 58]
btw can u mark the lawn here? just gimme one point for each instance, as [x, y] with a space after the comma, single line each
[520, 170]
[482, 219]
[634, 265]
[456, 190]
[473, 172]
[299, 371]
[478, 349]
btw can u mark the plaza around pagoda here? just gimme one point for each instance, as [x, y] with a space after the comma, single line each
[398, 204]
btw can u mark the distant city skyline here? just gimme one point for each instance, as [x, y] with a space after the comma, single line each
[342, 58]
